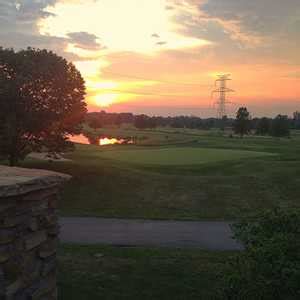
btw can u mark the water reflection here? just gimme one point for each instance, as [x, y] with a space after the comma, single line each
[90, 139]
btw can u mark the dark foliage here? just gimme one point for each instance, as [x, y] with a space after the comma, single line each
[41, 102]
[269, 268]
[280, 126]
[143, 122]
[242, 124]
[296, 120]
[102, 118]
[263, 126]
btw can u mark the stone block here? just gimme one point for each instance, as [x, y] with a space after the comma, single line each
[41, 194]
[6, 204]
[40, 208]
[33, 224]
[48, 248]
[7, 235]
[13, 221]
[49, 220]
[52, 202]
[53, 231]
[6, 252]
[35, 239]
[31, 267]
[13, 289]
[45, 288]
[49, 266]
[12, 269]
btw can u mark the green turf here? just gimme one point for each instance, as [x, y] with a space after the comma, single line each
[215, 190]
[94, 272]
[179, 155]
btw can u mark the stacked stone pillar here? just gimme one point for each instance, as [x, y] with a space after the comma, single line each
[28, 233]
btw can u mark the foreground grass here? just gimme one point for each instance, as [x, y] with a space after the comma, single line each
[94, 272]
[215, 189]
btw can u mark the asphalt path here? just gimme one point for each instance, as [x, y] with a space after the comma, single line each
[154, 233]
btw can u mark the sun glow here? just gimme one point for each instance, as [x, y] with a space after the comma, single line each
[105, 100]
[112, 141]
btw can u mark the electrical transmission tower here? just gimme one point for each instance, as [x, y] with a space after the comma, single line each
[222, 90]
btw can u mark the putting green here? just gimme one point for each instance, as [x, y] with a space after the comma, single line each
[179, 155]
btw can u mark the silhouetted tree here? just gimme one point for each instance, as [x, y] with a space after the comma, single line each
[263, 126]
[242, 122]
[223, 123]
[95, 123]
[280, 126]
[41, 102]
[144, 121]
[296, 120]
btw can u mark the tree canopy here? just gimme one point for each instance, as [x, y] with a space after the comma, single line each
[263, 126]
[280, 126]
[41, 102]
[242, 122]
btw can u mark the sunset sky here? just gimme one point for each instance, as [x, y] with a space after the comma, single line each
[162, 56]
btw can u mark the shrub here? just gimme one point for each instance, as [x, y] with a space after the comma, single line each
[269, 267]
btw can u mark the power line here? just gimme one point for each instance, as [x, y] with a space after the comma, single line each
[151, 79]
[222, 90]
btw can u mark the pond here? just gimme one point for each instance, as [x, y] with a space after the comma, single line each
[99, 140]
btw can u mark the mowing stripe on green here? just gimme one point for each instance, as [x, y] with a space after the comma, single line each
[179, 155]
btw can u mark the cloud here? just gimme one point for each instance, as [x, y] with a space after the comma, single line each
[257, 16]
[161, 43]
[22, 16]
[155, 35]
[19, 28]
[85, 40]
[18, 23]
[256, 21]
[243, 31]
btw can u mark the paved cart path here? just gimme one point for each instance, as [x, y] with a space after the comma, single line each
[123, 232]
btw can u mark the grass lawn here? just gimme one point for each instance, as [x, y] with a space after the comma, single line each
[213, 178]
[94, 272]
[178, 156]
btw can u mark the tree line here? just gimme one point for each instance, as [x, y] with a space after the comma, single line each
[243, 124]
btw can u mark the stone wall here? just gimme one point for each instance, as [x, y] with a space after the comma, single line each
[28, 233]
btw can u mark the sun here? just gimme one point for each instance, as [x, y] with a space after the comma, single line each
[105, 100]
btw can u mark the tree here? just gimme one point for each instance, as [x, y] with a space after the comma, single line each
[95, 123]
[296, 120]
[269, 266]
[144, 121]
[41, 102]
[242, 122]
[263, 126]
[223, 123]
[280, 126]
